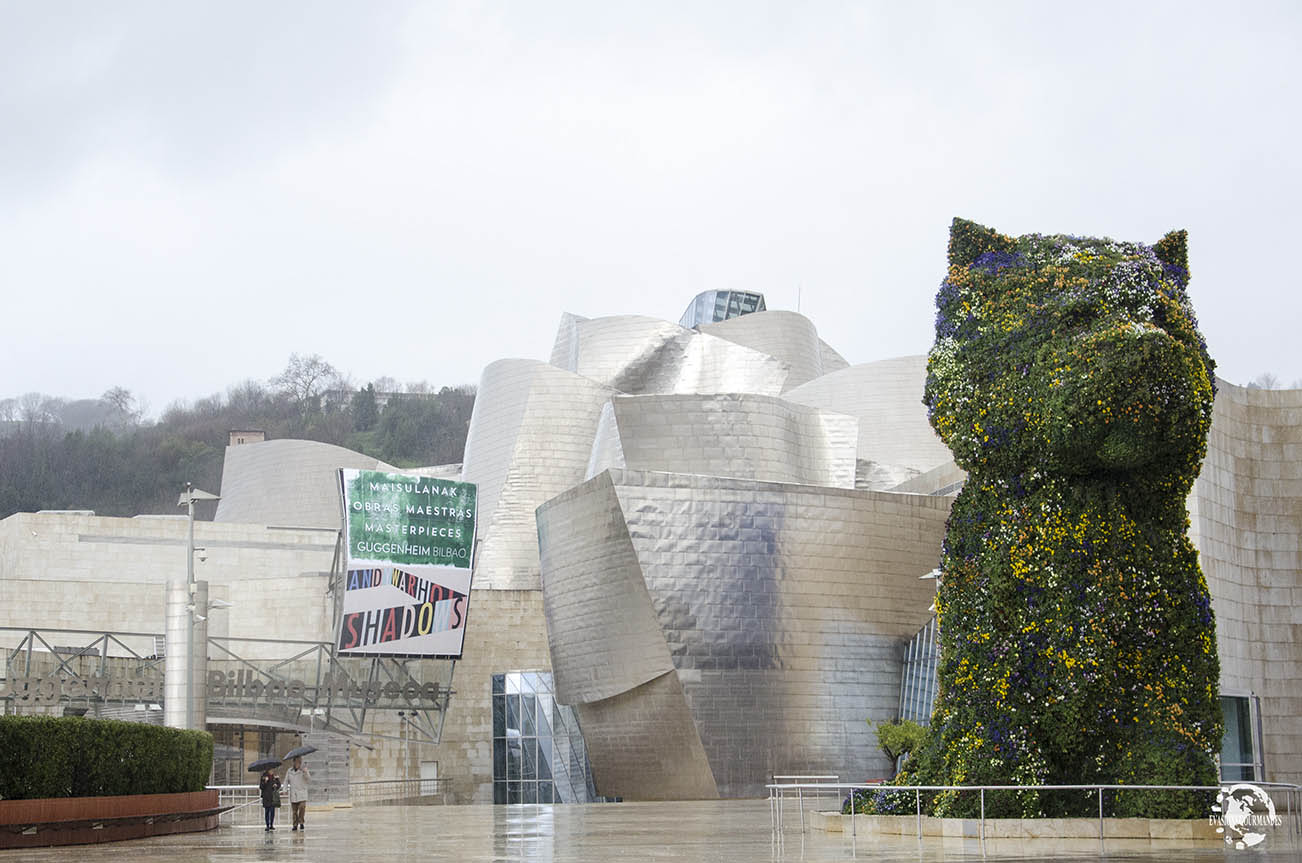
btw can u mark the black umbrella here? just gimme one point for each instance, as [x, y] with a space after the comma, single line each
[264, 764]
[298, 751]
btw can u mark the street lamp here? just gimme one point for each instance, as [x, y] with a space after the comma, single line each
[187, 499]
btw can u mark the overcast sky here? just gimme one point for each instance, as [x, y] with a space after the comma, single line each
[189, 192]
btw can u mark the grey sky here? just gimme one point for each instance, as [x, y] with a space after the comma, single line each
[190, 192]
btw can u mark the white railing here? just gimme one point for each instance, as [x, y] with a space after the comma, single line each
[245, 800]
[779, 792]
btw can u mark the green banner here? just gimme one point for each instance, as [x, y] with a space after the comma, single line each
[409, 520]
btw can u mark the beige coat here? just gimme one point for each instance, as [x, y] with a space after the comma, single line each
[296, 784]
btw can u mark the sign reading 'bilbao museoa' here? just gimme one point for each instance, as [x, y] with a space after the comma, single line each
[411, 543]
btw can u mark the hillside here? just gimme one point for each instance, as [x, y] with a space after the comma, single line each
[102, 455]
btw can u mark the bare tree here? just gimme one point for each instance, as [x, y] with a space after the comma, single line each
[124, 403]
[38, 408]
[305, 380]
[1264, 381]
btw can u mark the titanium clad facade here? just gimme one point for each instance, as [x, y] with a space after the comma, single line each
[895, 437]
[782, 609]
[530, 438]
[746, 436]
[634, 354]
[286, 483]
[787, 336]
[832, 361]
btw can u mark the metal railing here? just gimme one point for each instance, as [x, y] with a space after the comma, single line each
[778, 793]
[800, 782]
[245, 802]
[386, 790]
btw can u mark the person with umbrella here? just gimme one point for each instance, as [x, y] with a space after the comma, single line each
[296, 782]
[269, 787]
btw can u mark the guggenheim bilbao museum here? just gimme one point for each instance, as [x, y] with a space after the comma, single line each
[705, 555]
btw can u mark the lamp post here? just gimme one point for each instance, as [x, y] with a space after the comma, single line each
[187, 500]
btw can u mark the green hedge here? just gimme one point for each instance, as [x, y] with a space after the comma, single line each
[43, 756]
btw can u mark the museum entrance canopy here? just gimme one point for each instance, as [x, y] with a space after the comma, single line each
[302, 685]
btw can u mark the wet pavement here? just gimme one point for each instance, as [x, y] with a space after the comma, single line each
[708, 831]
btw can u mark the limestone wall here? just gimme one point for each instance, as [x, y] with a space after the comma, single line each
[1246, 520]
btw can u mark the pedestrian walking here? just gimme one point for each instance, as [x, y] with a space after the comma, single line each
[296, 783]
[269, 786]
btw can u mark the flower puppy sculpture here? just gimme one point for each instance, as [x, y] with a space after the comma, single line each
[1078, 644]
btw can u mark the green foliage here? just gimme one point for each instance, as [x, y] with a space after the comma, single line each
[424, 429]
[900, 738]
[1077, 643]
[43, 756]
[139, 467]
[365, 412]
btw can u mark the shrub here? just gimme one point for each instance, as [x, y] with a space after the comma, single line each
[43, 756]
[900, 738]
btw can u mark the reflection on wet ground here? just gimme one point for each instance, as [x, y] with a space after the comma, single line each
[710, 831]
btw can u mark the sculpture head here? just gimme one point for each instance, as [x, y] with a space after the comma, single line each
[1069, 355]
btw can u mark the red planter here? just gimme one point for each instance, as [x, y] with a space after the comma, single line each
[84, 820]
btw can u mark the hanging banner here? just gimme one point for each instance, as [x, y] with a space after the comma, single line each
[411, 543]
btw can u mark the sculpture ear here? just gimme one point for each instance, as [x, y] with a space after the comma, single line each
[1173, 249]
[969, 241]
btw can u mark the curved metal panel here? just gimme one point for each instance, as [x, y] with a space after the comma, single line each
[602, 632]
[782, 607]
[746, 436]
[635, 354]
[286, 483]
[832, 361]
[607, 449]
[530, 439]
[895, 436]
[788, 336]
[643, 745]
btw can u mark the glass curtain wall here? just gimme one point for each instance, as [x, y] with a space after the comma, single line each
[538, 751]
[918, 683]
[713, 306]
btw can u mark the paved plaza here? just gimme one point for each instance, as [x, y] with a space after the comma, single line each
[708, 831]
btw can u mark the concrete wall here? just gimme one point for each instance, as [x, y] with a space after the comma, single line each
[505, 632]
[89, 572]
[1246, 521]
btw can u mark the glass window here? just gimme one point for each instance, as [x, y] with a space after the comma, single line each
[514, 757]
[530, 728]
[499, 716]
[1238, 755]
[527, 748]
